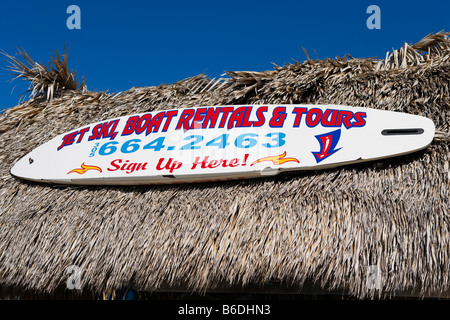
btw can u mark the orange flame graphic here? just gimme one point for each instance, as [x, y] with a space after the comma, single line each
[277, 160]
[85, 168]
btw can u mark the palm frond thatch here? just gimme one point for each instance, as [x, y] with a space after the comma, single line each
[45, 80]
[328, 228]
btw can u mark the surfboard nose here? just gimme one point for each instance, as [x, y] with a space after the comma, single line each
[28, 168]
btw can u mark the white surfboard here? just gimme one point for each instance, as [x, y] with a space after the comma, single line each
[222, 143]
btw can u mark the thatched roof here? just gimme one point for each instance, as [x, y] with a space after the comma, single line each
[328, 227]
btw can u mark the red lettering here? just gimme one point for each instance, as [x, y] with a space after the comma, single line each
[142, 166]
[124, 165]
[197, 162]
[104, 131]
[234, 162]
[213, 164]
[95, 132]
[245, 122]
[130, 125]
[155, 123]
[68, 139]
[130, 168]
[225, 111]
[344, 116]
[82, 132]
[299, 111]
[127, 166]
[211, 116]
[360, 119]
[328, 121]
[116, 166]
[143, 123]
[186, 115]
[237, 117]
[71, 138]
[278, 117]
[260, 115]
[112, 134]
[170, 165]
[313, 121]
[169, 115]
[199, 117]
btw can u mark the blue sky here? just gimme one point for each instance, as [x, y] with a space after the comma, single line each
[122, 44]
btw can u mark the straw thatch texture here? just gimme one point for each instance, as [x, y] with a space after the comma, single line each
[333, 227]
[56, 78]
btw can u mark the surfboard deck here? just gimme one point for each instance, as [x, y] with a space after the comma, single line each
[218, 143]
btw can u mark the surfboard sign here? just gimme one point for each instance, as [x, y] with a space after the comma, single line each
[219, 143]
